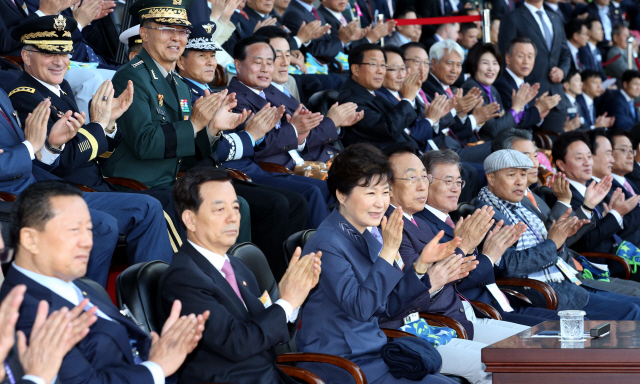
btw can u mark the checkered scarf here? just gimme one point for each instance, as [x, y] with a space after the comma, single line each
[516, 212]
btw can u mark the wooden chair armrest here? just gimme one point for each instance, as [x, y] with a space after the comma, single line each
[6, 196]
[544, 288]
[444, 321]
[488, 310]
[239, 175]
[127, 183]
[610, 256]
[273, 167]
[84, 188]
[15, 60]
[550, 133]
[517, 294]
[395, 333]
[221, 78]
[301, 374]
[341, 362]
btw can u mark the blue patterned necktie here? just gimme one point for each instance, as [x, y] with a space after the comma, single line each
[285, 91]
[93, 57]
[547, 33]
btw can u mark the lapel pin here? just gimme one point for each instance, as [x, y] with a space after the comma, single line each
[160, 100]
[154, 75]
[84, 293]
[244, 283]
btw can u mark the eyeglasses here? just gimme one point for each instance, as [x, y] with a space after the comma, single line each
[626, 151]
[415, 179]
[419, 62]
[450, 183]
[377, 66]
[169, 31]
[401, 69]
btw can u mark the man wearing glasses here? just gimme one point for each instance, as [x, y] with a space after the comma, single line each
[384, 123]
[162, 125]
[444, 187]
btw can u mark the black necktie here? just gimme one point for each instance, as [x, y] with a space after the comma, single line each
[168, 78]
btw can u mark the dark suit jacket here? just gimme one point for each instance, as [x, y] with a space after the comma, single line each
[327, 45]
[446, 302]
[584, 111]
[238, 343]
[505, 86]
[633, 177]
[600, 238]
[104, 355]
[494, 126]
[278, 142]
[10, 16]
[522, 23]
[356, 288]
[78, 161]
[421, 129]
[615, 15]
[618, 106]
[589, 61]
[520, 263]
[335, 28]
[383, 123]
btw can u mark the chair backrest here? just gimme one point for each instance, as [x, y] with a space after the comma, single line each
[137, 288]
[546, 194]
[298, 239]
[256, 261]
[463, 210]
[323, 100]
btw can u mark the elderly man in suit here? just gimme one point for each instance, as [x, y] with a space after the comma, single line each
[51, 258]
[541, 254]
[553, 57]
[409, 189]
[334, 14]
[617, 55]
[520, 141]
[621, 102]
[240, 347]
[276, 213]
[442, 199]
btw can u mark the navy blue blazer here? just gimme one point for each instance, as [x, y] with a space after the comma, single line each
[633, 177]
[78, 161]
[16, 168]
[618, 106]
[589, 61]
[327, 45]
[104, 355]
[356, 288]
[237, 345]
[586, 114]
[421, 129]
[446, 302]
[336, 25]
[505, 86]
[615, 15]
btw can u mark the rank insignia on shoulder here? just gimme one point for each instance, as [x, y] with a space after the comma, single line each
[22, 89]
[135, 65]
[160, 100]
[194, 91]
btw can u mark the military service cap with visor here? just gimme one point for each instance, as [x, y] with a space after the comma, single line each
[201, 38]
[48, 34]
[166, 12]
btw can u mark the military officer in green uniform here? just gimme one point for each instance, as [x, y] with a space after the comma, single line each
[162, 128]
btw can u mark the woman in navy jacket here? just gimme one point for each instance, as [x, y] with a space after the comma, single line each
[361, 279]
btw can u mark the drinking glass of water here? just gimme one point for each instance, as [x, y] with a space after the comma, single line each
[571, 325]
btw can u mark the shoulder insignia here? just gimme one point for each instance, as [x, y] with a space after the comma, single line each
[22, 89]
[134, 65]
[194, 91]
[84, 146]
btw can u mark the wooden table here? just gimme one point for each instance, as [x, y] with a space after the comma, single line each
[612, 359]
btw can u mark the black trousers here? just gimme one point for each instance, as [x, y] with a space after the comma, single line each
[276, 214]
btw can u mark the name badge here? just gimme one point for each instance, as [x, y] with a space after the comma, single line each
[161, 111]
[572, 110]
[499, 296]
[266, 299]
[568, 271]
[411, 318]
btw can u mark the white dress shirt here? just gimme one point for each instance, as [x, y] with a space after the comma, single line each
[574, 53]
[69, 291]
[603, 12]
[218, 262]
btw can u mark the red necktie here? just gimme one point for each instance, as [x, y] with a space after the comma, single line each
[532, 199]
[243, 13]
[315, 13]
[449, 222]
[448, 92]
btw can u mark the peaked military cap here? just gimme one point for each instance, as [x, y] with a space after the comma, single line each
[131, 36]
[506, 158]
[49, 34]
[167, 12]
[201, 38]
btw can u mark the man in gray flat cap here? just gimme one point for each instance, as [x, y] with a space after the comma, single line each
[541, 254]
